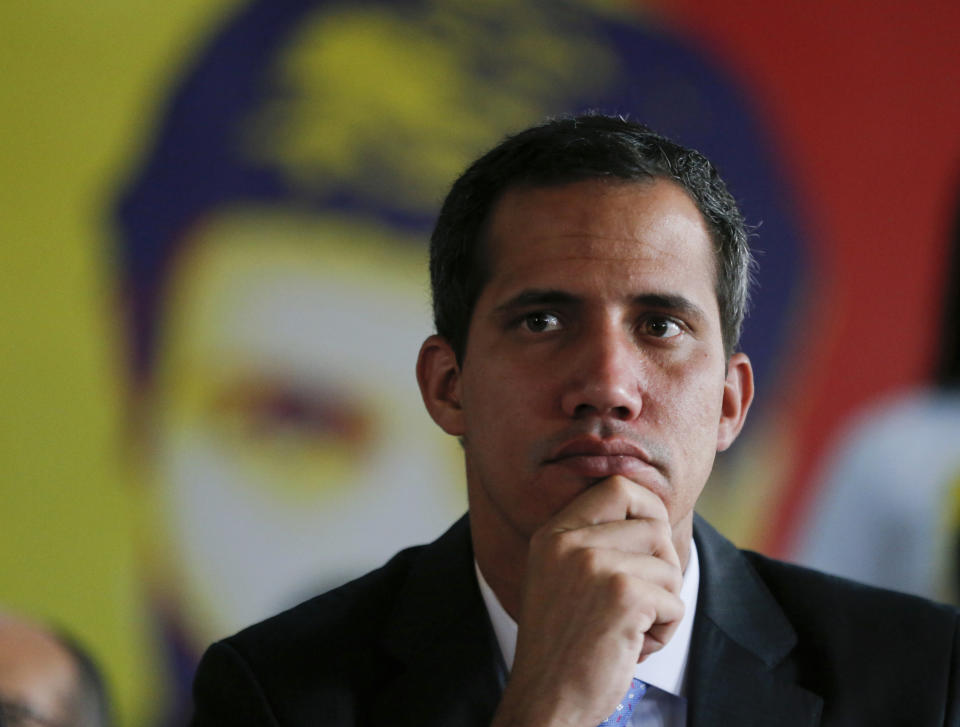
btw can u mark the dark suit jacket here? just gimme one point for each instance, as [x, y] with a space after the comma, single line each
[411, 644]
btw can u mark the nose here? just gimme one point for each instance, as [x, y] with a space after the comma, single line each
[605, 378]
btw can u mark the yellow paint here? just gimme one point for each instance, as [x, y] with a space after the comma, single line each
[78, 81]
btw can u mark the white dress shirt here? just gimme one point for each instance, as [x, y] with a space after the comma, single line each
[663, 706]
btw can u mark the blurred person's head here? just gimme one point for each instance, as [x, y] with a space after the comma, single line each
[47, 679]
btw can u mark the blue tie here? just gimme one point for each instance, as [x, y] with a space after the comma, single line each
[622, 714]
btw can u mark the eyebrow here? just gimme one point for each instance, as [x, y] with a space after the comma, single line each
[661, 301]
[671, 302]
[537, 297]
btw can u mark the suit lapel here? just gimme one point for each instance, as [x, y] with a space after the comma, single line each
[445, 668]
[738, 671]
[448, 663]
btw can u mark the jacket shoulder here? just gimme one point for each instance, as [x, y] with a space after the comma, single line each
[324, 656]
[807, 592]
[858, 639]
[305, 661]
[347, 617]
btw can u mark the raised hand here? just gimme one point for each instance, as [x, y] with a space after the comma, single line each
[601, 592]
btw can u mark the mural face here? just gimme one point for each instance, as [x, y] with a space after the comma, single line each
[290, 447]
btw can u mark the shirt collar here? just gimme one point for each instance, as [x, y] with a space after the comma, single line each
[664, 669]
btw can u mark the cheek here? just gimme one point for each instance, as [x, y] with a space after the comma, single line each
[691, 407]
[692, 445]
[496, 393]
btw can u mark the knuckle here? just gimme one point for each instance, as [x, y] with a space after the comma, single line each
[622, 588]
[681, 608]
[676, 581]
[645, 618]
[551, 544]
[662, 532]
[669, 577]
[659, 537]
[587, 560]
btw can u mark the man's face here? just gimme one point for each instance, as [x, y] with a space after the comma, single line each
[594, 349]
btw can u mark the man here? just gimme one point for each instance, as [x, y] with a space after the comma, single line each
[282, 206]
[589, 281]
[46, 679]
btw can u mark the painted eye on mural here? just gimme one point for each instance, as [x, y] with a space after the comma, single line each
[276, 412]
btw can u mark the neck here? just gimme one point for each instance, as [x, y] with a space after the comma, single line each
[501, 555]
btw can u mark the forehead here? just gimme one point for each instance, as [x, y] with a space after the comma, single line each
[272, 290]
[647, 234]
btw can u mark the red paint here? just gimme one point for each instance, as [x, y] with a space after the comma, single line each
[864, 99]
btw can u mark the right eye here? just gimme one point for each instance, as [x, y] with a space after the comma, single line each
[540, 322]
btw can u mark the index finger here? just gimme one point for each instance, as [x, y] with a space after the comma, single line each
[612, 499]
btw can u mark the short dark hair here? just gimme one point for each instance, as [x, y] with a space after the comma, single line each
[562, 151]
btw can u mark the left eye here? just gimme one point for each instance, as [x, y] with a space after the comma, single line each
[661, 327]
[540, 322]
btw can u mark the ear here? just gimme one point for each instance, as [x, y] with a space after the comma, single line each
[439, 378]
[737, 396]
